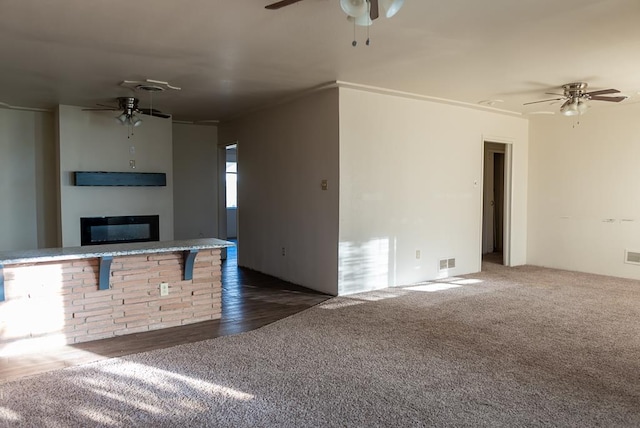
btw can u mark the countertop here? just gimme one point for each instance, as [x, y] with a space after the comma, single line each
[110, 250]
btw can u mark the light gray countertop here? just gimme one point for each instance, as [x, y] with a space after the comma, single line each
[109, 250]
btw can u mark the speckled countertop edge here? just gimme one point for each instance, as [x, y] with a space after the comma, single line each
[110, 250]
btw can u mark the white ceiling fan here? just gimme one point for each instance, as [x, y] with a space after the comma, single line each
[356, 9]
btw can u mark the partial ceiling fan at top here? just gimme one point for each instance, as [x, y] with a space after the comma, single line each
[363, 12]
[359, 12]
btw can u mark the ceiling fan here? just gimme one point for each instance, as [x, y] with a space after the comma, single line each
[356, 9]
[129, 107]
[575, 98]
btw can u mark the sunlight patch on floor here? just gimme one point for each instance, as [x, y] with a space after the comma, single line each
[169, 381]
[8, 415]
[469, 281]
[339, 304]
[36, 346]
[124, 384]
[97, 416]
[430, 288]
[374, 296]
[443, 284]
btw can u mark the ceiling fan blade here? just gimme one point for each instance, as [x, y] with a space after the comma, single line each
[374, 9]
[279, 4]
[544, 101]
[603, 92]
[154, 112]
[611, 99]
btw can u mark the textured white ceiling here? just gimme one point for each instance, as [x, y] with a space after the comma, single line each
[230, 56]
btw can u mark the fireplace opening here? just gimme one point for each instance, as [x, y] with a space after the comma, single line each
[119, 230]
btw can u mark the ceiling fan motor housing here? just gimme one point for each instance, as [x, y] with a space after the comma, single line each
[577, 89]
[128, 103]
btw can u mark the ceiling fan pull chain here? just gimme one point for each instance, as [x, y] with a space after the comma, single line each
[354, 43]
[368, 26]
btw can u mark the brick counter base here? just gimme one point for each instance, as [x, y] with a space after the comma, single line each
[62, 299]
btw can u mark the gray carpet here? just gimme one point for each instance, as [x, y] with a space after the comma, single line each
[507, 347]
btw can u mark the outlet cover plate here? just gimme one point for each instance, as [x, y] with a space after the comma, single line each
[164, 288]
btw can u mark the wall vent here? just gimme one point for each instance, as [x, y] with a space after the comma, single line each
[445, 264]
[632, 257]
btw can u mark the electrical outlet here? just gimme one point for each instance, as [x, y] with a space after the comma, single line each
[417, 254]
[284, 251]
[132, 164]
[164, 288]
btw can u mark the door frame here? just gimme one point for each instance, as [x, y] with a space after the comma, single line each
[222, 192]
[508, 197]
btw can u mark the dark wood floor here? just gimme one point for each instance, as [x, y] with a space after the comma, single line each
[249, 300]
[496, 258]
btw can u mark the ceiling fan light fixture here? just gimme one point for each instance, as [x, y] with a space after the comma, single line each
[122, 118]
[572, 107]
[354, 8]
[362, 21]
[391, 7]
[581, 106]
[135, 121]
[568, 110]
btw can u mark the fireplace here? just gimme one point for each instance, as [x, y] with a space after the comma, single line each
[118, 230]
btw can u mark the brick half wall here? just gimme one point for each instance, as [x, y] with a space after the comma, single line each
[62, 300]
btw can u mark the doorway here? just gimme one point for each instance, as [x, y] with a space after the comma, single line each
[231, 190]
[496, 202]
[228, 194]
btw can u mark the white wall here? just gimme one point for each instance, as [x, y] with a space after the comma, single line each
[28, 217]
[283, 155]
[584, 209]
[195, 181]
[407, 174]
[93, 141]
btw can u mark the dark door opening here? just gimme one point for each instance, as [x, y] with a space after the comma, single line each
[493, 203]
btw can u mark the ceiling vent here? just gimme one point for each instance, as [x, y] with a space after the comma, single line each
[632, 257]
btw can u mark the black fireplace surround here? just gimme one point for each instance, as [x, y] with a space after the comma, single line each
[118, 230]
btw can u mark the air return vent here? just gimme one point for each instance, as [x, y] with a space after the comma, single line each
[445, 264]
[632, 257]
